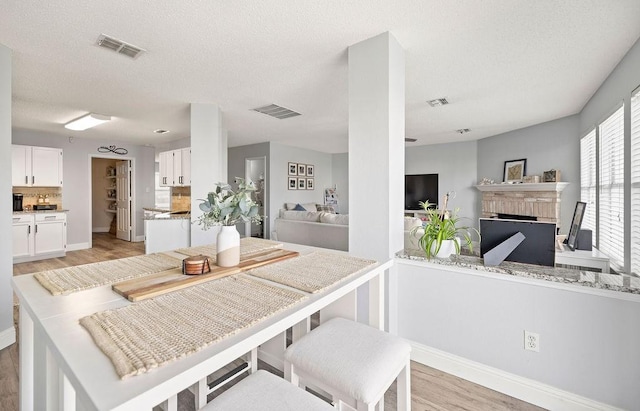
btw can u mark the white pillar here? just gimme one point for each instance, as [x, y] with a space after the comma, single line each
[7, 331]
[208, 162]
[376, 150]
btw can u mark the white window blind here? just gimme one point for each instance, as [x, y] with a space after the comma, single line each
[611, 217]
[635, 183]
[588, 183]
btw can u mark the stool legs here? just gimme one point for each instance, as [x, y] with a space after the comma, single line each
[404, 387]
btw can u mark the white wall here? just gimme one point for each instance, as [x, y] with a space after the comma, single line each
[588, 343]
[279, 156]
[76, 166]
[551, 145]
[456, 166]
[7, 332]
[340, 174]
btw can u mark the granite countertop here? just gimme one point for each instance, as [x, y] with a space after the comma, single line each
[41, 211]
[169, 216]
[614, 282]
[156, 210]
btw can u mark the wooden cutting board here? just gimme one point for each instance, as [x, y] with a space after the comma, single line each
[171, 280]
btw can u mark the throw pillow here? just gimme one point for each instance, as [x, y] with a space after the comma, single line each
[326, 208]
[340, 219]
[298, 207]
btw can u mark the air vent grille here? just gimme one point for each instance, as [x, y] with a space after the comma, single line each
[119, 47]
[410, 140]
[463, 130]
[438, 102]
[276, 111]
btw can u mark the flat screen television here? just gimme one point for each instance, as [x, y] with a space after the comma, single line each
[538, 247]
[420, 187]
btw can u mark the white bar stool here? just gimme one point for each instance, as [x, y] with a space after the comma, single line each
[265, 392]
[353, 362]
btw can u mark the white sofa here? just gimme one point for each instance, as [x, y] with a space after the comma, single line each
[314, 228]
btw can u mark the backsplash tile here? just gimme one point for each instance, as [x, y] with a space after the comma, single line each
[180, 198]
[31, 194]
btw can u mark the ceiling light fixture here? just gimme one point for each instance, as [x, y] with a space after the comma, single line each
[87, 121]
[160, 131]
[438, 102]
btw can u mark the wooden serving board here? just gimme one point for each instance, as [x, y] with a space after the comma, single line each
[171, 280]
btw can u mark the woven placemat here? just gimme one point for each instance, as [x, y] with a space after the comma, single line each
[143, 336]
[312, 272]
[82, 277]
[248, 245]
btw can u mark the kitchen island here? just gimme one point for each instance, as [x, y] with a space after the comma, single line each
[167, 231]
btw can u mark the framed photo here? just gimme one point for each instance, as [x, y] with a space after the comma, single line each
[293, 183]
[302, 183]
[293, 169]
[551, 176]
[309, 183]
[302, 169]
[310, 170]
[514, 171]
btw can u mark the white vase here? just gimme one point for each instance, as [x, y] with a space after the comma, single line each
[228, 246]
[447, 248]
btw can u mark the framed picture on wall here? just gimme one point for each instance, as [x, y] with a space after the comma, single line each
[310, 170]
[293, 169]
[302, 169]
[293, 183]
[302, 183]
[309, 183]
[514, 170]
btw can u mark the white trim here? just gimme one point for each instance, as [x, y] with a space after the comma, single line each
[78, 246]
[525, 389]
[7, 337]
[138, 238]
[100, 229]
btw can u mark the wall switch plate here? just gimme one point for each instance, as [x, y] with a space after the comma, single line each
[531, 341]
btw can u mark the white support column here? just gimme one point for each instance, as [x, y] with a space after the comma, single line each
[27, 361]
[208, 158]
[376, 151]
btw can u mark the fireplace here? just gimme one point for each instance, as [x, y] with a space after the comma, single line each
[529, 201]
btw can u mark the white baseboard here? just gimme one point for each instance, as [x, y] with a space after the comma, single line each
[7, 337]
[100, 229]
[525, 389]
[77, 246]
[138, 239]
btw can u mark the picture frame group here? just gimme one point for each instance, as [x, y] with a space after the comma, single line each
[301, 176]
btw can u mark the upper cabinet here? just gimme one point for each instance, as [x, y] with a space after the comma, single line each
[36, 166]
[175, 168]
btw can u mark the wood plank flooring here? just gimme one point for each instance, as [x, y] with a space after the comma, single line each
[431, 389]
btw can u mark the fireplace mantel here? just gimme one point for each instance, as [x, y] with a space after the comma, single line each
[557, 187]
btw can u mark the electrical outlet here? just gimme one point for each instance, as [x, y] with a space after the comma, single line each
[531, 341]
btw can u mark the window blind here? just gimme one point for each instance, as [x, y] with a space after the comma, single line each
[588, 183]
[611, 216]
[635, 183]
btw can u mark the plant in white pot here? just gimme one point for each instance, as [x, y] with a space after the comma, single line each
[441, 233]
[227, 208]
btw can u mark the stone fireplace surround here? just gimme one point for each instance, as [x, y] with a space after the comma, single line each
[540, 200]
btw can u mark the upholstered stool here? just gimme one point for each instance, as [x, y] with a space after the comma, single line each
[353, 362]
[264, 391]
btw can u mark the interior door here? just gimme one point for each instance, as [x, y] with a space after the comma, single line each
[123, 199]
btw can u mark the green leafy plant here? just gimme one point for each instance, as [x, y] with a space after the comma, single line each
[440, 227]
[227, 207]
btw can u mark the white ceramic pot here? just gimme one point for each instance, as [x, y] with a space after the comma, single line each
[228, 246]
[447, 248]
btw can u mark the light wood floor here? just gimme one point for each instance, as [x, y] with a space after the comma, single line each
[430, 389]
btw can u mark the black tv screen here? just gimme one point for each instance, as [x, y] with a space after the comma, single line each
[538, 247]
[420, 187]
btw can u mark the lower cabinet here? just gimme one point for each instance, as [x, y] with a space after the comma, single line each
[39, 236]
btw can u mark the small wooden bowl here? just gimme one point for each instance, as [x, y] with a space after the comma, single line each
[196, 265]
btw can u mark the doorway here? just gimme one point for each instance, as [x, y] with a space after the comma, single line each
[256, 170]
[111, 200]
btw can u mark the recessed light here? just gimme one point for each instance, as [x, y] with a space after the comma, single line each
[86, 121]
[160, 131]
[463, 130]
[438, 102]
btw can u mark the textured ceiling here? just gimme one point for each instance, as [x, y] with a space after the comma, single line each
[502, 64]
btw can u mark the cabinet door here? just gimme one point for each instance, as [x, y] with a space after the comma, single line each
[185, 156]
[22, 239]
[166, 169]
[20, 165]
[46, 165]
[49, 236]
[177, 168]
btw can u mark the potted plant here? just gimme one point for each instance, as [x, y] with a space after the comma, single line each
[226, 207]
[441, 233]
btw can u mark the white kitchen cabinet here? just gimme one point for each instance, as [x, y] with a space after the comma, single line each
[38, 236]
[36, 166]
[175, 168]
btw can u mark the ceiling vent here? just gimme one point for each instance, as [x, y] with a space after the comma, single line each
[463, 130]
[276, 111]
[410, 140]
[438, 102]
[119, 47]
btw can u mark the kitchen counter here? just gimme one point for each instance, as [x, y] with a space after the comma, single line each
[613, 282]
[40, 211]
[156, 210]
[168, 216]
